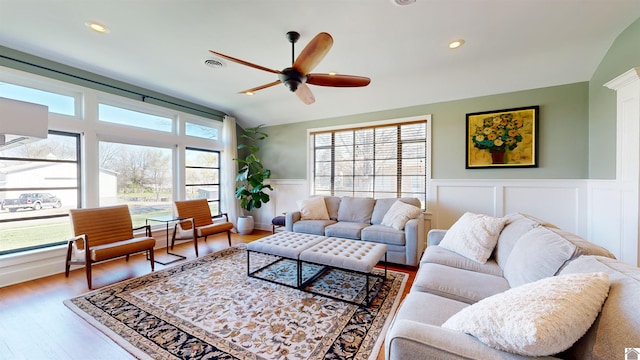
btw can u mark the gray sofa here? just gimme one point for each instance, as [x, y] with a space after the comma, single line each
[527, 250]
[361, 218]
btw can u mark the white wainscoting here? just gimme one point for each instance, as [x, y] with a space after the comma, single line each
[282, 199]
[561, 202]
[605, 212]
[614, 219]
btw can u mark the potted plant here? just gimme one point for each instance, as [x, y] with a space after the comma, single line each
[251, 176]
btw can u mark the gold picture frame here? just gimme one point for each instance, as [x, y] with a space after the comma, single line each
[502, 138]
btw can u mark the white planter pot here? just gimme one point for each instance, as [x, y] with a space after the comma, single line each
[245, 225]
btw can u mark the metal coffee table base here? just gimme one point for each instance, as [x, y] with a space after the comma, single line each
[307, 284]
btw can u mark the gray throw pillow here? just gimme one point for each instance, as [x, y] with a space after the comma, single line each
[356, 209]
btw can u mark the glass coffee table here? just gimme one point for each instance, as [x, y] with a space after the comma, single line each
[169, 219]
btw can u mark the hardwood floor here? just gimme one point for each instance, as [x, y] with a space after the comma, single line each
[35, 324]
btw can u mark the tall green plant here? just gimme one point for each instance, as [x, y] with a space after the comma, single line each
[251, 172]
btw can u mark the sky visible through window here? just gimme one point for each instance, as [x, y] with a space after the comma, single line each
[57, 103]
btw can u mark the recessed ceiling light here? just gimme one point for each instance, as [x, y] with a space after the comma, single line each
[332, 73]
[97, 27]
[455, 44]
[403, 2]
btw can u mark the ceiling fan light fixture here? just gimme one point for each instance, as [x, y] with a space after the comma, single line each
[291, 78]
[249, 93]
[292, 84]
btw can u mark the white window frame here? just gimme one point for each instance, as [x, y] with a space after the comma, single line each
[428, 127]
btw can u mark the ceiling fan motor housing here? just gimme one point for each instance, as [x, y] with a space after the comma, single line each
[291, 78]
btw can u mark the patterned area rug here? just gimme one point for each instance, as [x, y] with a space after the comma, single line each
[209, 308]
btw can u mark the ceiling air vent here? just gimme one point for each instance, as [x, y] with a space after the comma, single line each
[214, 63]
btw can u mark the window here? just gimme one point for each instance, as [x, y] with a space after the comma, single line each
[136, 175]
[57, 103]
[133, 153]
[39, 183]
[122, 116]
[381, 161]
[202, 173]
[201, 130]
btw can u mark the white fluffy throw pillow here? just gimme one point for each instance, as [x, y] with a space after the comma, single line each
[474, 236]
[541, 318]
[313, 208]
[398, 215]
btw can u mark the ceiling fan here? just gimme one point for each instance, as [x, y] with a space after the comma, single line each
[296, 77]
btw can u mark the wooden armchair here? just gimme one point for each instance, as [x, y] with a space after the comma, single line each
[202, 224]
[102, 234]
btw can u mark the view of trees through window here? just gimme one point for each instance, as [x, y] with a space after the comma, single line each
[136, 175]
[202, 172]
[378, 161]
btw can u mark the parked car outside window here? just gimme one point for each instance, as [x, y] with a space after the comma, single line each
[33, 201]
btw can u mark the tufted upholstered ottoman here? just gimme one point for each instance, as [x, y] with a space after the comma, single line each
[345, 254]
[348, 254]
[285, 244]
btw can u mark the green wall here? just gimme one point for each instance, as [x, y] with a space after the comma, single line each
[623, 55]
[563, 134]
[577, 130]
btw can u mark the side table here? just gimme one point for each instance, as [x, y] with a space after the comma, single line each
[167, 219]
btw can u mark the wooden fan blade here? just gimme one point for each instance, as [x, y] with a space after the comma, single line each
[305, 94]
[242, 62]
[337, 80]
[313, 53]
[252, 90]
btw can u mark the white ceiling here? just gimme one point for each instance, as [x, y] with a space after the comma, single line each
[161, 45]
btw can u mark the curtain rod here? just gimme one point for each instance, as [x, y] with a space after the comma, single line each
[143, 97]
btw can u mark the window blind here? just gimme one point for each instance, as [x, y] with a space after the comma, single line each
[385, 161]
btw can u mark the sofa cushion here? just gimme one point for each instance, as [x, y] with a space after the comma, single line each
[474, 236]
[457, 284]
[333, 204]
[313, 208]
[383, 205]
[414, 304]
[617, 325]
[398, 215]
[383, 234]
[345, 229]
[536, 319]
[440, 255]
[542, 252]
[516, 226]
[356, 209]
[315, 227]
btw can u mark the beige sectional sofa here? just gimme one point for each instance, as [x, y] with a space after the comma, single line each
[362, 218]
[473, 300]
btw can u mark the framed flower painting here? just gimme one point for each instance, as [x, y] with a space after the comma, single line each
[503, 138]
